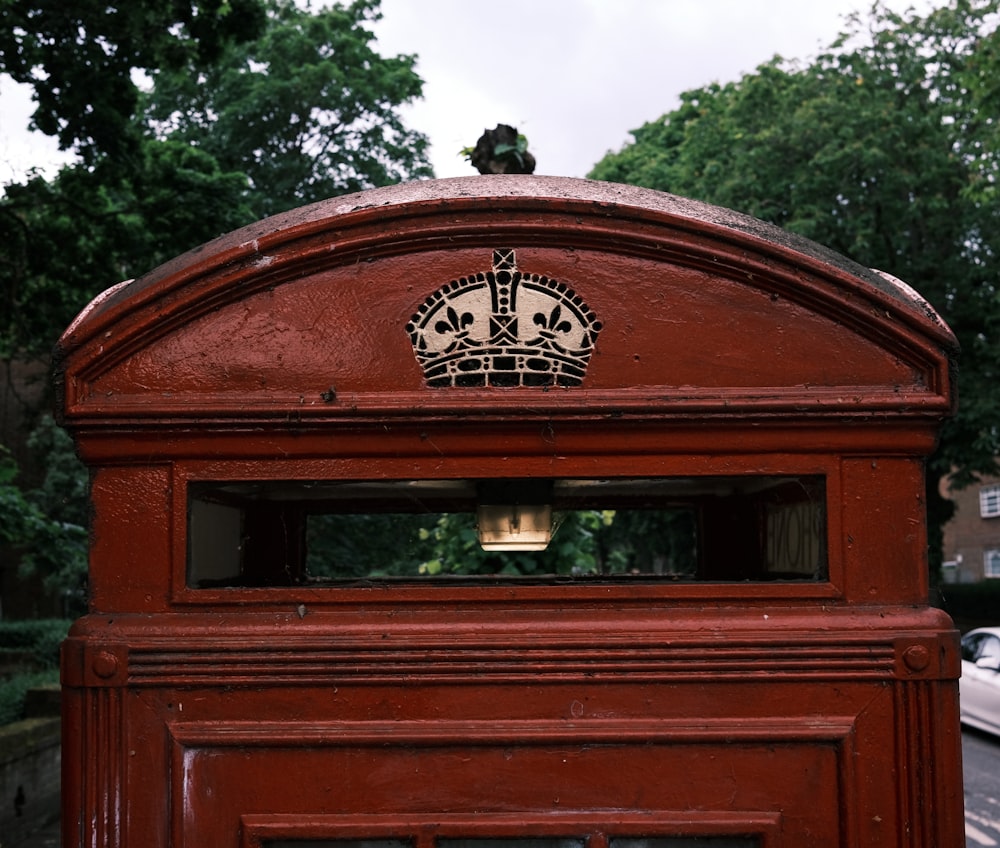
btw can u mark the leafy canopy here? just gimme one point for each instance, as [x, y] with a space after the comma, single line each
[886, 148]
[305, 110]
[46, 524]
[80, 57]
[70, 238]
[308, 110]
[247, 107]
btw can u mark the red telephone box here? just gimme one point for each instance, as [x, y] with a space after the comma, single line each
[509, 512]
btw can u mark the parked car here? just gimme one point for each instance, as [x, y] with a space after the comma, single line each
[980, 683]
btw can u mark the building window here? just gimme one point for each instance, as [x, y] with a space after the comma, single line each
[989, 501]
[991, 562]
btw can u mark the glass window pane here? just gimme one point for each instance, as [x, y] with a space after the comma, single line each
[991, 562]
[989, 501]
[510, 842]
[337, 843]
[720, 529]
[686, 842]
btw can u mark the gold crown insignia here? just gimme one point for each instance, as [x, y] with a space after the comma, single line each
[503, 328]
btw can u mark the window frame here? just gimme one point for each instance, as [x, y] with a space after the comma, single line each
[776, 508]
[989, 501]
[596, 830]
[991, 563]
[195, 471]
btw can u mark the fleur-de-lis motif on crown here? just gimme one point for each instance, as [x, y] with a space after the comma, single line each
[504, 328]
[453, 323]
[551, 325]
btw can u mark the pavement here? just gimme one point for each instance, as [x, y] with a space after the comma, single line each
[47, 836]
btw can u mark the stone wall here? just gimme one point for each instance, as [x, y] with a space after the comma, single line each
[29, 777]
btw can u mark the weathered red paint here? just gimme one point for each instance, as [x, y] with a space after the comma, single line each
[810, 713]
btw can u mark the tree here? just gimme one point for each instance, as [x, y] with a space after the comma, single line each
[80, 57]
[69, 238]
[58, 550]
[306, 111]
[309, 110]
[885, 148]
[46, 524]
[255, 106]
[586, 543]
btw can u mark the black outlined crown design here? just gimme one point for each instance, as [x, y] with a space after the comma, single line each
[504, 328]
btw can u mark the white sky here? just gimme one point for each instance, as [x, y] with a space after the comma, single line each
[573, 75]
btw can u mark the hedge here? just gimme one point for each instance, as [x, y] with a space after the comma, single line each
[39, 639]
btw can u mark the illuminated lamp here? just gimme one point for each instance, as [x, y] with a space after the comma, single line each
[514, 515]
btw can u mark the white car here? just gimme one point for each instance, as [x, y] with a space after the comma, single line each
[980, 683]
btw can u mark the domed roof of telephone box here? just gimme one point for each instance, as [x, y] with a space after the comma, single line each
[505, 296]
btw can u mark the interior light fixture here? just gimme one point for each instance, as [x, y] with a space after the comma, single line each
[514, 515]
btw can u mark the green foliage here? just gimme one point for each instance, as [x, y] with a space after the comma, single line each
[368, 545]
[80, 57]
[575, 549]
[46, 525]
[306, 111]
[90, 227]
[516, 151]
[25, 526]
[885, 148]
[256, 106]
[63, 497]
[585, 543]
[572, 551]
[41, 638]
[13, 692]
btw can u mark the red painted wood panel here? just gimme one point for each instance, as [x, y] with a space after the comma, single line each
[681, 341]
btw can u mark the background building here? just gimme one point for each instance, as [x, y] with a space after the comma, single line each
[972, 537]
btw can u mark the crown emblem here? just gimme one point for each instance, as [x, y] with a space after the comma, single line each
[503, 328]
